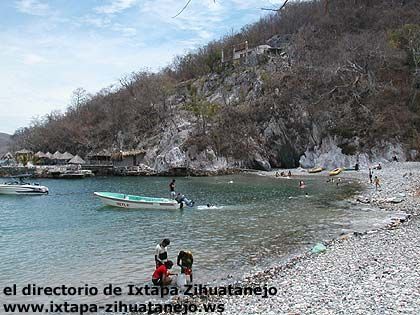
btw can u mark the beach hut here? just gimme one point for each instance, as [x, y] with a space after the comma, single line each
[102, 158]
[56, 157]
[40, 158]
[128, 158]
[77, 160]
[66, 157]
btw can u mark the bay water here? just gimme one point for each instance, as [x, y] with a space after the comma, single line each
[68, 237]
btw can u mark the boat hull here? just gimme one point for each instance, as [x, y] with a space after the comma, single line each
[23, 190]
[315, 170]
[136, 202]
[335, 172]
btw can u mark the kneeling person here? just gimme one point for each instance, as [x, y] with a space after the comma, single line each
[161, 276]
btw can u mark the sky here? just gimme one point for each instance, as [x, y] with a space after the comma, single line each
[50, 48]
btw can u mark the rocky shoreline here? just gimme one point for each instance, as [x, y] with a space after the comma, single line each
[375, 272]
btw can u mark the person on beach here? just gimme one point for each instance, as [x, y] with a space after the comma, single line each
[161, 276]
[185, 261]
[370, 175]
[172, 189]
[377, 184]
[161, 252]
[289, 174]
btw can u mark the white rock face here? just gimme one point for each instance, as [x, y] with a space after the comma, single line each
[330, 156]
[174, 158]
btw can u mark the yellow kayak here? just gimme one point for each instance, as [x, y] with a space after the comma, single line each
[336, 171]
[316, 170]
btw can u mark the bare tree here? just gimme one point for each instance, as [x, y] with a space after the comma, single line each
[184, 7]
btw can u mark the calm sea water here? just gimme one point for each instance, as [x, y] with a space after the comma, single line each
[68, 237]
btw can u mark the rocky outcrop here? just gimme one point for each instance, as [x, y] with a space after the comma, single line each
[329, 155]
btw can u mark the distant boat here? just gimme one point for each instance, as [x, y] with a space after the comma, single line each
[316, 170]
[19, 187]
[136, 202]
[335, 171]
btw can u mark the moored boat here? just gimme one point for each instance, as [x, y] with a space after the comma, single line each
[21, 188]
[136, 202]
[316, 170]
[335, 171]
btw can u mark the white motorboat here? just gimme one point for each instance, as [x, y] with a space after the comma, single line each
[136, 202]
[19, 187]
[142, 202]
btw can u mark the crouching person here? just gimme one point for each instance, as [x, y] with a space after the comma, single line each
[161, 276]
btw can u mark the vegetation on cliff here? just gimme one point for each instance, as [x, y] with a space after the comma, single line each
[350, 72]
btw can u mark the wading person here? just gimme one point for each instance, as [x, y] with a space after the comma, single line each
[172, 189]
[161, 252]
[185, 261]
[377, 184]
[161, 276]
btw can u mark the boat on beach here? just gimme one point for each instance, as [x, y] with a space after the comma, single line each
[17, 186]
[335, 171]
[136, 202]
[315, 170]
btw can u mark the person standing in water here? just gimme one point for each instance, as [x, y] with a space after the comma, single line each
[161, 252]
[172, 189]
[377, 184]
[185, 261]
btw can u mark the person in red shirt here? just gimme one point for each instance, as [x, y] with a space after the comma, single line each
[161, 276]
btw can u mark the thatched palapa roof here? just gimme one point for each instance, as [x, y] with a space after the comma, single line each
[57, 155]
[102, 153]
[40, 155]
[119, 155]
[77, 160]
[67, 156]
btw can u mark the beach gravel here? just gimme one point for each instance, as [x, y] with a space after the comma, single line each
[372, 273]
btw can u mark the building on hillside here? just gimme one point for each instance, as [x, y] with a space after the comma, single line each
[242, 51]
[128, 158]
[101, 158]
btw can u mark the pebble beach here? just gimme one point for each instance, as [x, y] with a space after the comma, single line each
[374, 272]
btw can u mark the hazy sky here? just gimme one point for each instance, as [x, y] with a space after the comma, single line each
[50, 48]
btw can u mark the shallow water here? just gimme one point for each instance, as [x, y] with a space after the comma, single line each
[68, 237]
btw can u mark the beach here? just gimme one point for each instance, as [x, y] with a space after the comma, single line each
[375, 272]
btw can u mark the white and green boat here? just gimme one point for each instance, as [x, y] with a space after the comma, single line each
[136, 202]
